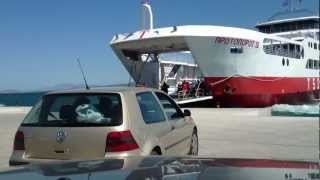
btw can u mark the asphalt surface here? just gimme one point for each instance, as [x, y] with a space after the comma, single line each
[238, 133]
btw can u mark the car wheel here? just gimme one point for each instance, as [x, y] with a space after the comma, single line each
[194, 145]
[154, 153]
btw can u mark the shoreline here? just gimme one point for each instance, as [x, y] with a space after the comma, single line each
[14, 109]
[240, 112]
[233, 111]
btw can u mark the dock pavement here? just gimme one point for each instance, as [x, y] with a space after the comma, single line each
[233, 133]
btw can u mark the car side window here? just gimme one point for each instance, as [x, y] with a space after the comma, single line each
[150, 108]
[170, 107]
[34, 114]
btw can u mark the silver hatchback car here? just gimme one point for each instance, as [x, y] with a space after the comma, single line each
[102, 123]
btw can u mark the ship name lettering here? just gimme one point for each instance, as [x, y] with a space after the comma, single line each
[237, 42]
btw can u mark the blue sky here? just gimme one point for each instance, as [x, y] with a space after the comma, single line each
[41, 39]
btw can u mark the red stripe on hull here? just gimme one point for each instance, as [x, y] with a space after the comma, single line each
[262, 91]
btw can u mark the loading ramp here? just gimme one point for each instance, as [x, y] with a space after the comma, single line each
[191, 100]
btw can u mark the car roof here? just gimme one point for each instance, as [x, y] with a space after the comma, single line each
[102, 90]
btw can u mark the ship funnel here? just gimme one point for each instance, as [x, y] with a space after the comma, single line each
[147, 16]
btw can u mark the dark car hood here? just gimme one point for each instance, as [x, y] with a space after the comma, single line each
[168, 168]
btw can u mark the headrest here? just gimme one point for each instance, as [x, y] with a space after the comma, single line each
[67, 112]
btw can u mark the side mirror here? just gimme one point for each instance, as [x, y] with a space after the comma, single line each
[186, 113]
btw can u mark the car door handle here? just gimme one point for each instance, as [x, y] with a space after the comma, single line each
[64, 178]
[59, 151]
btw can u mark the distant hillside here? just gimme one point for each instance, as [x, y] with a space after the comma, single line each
[61, 87]
[6, 91]
[57, 87]
[29, 98]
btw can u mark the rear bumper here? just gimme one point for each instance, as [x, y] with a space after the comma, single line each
[18, 158]
[17, 163]
[24, 161]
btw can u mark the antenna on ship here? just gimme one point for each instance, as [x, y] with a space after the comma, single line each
[292, 5]
[316, 13]
[83, 75]
[147, 16]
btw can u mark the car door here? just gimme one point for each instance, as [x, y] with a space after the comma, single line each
[180, 132]
[157, 127]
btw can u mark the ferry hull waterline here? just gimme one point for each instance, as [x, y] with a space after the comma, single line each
[240, 67]
[260, 91]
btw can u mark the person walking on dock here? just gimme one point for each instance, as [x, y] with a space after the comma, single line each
[185, 88]
[165, 87]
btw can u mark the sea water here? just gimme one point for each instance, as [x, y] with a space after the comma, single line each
[310, 110]
[20, 99]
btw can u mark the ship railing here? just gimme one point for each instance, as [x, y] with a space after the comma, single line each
[196, 93]
[269, 49]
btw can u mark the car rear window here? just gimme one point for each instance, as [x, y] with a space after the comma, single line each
[76, 110]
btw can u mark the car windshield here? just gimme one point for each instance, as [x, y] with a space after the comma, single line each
[76, 110]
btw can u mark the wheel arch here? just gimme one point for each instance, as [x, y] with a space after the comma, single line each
[157, 149]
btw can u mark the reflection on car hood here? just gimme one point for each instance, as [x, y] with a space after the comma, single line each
[168, 168]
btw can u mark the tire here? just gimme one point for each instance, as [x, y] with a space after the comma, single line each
[154, 153]
[194, 145]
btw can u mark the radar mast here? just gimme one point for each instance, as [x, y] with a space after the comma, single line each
[147, 16]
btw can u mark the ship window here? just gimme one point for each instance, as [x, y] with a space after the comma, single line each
[236, 50]
[315, 46]
[267, 29]
[315, 64]
[276, 47]
[309, 64]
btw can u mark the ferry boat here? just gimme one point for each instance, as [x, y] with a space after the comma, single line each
[276, 64]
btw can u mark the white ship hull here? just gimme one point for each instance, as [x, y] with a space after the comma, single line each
[237, 69]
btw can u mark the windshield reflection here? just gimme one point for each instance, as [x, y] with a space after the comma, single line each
[156, 167]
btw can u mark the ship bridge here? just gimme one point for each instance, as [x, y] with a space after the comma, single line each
[292, 23]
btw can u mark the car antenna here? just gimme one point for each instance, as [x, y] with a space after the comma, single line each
[83, 75]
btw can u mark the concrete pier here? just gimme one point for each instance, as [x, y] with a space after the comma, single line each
[235, 132]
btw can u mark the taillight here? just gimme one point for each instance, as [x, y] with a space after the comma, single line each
[120, 141]
[19, 141]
